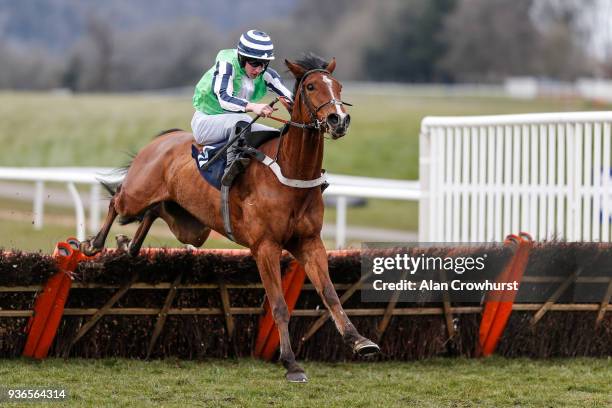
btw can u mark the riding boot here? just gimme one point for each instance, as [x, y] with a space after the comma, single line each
[236, 166]
[235, 163]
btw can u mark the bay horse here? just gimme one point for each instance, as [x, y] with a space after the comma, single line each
[163, 182]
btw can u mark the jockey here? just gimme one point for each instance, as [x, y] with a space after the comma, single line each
[233, 86]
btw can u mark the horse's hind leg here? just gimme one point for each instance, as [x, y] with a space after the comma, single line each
[312, 255]
[185, 227]
[149, 216]
[267, 255]
[92, 247]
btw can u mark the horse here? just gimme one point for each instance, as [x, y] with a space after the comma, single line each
[267, 216]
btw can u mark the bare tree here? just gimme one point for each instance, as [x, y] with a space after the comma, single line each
[28, 68]
[90, 62]
[489, 39]
[342, 29]
[166, 55]
[565, 44]
[100, 33]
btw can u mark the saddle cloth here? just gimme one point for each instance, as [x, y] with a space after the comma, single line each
[214, 173]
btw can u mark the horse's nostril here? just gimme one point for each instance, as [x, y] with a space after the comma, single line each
[347, 121]
[333, 119]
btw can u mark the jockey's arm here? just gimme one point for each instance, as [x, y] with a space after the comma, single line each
[224, 88]
[275, 84]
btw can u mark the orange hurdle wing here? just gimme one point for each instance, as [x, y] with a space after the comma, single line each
[291, 289]
[267, 336]
[42, 309]
[490, 307]
[54, 319]
[504, 309]
[65, 258]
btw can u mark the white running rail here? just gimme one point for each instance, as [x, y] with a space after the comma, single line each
[484, 177]
[341, 187]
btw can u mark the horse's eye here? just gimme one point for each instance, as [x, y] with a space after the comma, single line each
[310, 87]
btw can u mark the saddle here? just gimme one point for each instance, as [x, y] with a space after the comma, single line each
[235, 160]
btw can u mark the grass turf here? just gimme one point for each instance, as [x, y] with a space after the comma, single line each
[493, 382]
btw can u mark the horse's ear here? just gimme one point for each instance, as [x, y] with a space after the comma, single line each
[332, 65]
[297, 70]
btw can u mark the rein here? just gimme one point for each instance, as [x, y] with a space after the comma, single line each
[315, 123]
[294, 124]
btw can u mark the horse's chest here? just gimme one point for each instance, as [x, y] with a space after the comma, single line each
[305, 218]
[284, 217]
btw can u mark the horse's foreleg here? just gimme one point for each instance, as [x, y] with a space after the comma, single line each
[313, 256]
[94, 246]
[150, 215]
[267, 255]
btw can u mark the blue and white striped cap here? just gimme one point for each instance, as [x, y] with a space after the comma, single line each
[256, 44]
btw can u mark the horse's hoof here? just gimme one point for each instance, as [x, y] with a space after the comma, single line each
[86, 248]
[366, 348]
[122, 242]
[133, 252]
[297, 377]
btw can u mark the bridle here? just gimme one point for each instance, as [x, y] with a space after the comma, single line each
[312, 110]
[315, 123]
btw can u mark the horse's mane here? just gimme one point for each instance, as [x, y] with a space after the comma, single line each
[309, 61]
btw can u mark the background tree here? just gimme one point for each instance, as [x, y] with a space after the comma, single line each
[566, 34]
[489, 40]
[89, 67]
[146, 44]
[166, 55]
[28, 68]
[411, 46]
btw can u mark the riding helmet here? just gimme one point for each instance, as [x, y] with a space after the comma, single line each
[255, 44]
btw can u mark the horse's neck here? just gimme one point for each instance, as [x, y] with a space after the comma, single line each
[301, 152]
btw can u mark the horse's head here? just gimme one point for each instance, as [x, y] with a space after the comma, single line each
[317, 95]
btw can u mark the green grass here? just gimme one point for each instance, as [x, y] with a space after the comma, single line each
[390, 214]
[493, 382]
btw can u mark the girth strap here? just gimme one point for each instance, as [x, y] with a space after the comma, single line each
[225, 212]
[272, 165]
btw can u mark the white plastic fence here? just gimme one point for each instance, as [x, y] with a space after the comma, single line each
[341, 187]
[484, 177]
[70, 176]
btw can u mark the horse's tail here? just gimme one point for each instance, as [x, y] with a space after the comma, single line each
[111, 188]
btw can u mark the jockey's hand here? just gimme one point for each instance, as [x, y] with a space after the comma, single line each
[260, 109]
